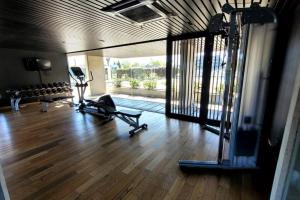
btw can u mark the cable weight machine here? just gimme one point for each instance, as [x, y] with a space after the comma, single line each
[238, 30]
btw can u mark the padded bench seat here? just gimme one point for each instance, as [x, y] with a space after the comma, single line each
[130, 113]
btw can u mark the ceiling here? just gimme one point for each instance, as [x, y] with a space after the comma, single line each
[157, 48]
[77, 25]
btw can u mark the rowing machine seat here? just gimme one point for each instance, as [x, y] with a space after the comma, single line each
[130, 113]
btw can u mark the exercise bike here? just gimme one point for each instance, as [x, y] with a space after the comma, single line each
[104, 107]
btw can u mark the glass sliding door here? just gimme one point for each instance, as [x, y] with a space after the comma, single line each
[186, 77]
[195, 78]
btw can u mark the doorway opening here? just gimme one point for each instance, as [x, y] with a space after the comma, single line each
[138, 82]
[134, 75]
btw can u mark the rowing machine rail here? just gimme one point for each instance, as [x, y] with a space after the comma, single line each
[132, 121]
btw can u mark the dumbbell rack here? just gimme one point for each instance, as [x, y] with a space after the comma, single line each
[37, 92]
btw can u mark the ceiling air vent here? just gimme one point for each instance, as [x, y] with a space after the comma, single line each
[138, 11]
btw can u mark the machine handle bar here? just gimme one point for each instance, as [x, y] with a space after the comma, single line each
[92, 78]
[73, 77]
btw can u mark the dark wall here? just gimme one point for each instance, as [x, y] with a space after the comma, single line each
[13, 73]
[281, 83]
[287, 82]
[1, 193]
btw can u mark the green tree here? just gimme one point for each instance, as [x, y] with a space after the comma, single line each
[134, 83]
[150, 84]
[156, 63]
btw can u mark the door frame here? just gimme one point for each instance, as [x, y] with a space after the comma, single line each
[206, 75]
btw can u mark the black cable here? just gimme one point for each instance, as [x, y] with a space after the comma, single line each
[40, 77]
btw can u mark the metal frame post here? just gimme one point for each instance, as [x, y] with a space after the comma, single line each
[169, 76]
[228, 73]
[207, 66]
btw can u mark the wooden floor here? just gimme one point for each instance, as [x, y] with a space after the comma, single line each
[63, 154]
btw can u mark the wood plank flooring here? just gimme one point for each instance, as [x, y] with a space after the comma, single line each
[63, 154]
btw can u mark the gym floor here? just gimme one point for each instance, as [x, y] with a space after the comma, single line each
[63, 154]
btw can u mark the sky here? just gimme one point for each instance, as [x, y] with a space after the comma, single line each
[140, 60]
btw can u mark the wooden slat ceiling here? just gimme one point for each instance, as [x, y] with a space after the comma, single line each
[77, 25]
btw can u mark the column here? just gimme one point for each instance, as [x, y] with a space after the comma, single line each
[95, 64]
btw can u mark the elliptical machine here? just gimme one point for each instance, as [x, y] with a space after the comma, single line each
[81, 85]
[104, 106]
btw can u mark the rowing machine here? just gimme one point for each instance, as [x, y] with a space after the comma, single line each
[104, 106]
